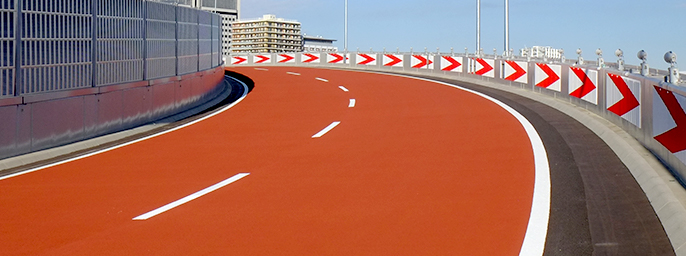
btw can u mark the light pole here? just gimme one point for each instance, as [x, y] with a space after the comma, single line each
[345, 40]
[478, 27]
[507, 28]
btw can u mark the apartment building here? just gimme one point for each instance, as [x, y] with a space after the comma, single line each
[266, 34]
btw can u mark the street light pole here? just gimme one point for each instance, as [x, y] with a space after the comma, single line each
[345, 40]
[507, 28]
[478, 27]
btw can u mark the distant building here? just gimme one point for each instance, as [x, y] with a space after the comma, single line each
[318, 44]
[542, 52]
[267, 34]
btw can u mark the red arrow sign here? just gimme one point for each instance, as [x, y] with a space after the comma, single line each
[311, 58]
[395, 60]
[587, 85]
[453, 63]
[240, 60]
[675, 139]
[338, 58]
[628, 103]
[262, 59]
[286, 57]
[552, 76]
[368, 59]
[422, 61]
[519, 71]
[485, 68]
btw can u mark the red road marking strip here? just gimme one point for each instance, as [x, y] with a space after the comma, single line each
[327, 129]
[344, 89]
[322, 79]
[352, 103]
[191, 197]
[245, 93]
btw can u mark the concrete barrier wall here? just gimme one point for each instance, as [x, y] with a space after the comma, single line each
[58, 119]
[649, 109]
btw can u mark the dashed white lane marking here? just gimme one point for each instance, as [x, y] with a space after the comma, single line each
[191, 197]
[262, 69]
[327, 129]
[322, 79]
[293, 73]
[343, 88]
[352, 103]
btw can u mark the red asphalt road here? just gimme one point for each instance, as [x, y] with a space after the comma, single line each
[415, 168]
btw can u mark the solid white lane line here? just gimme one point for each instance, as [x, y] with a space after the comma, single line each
[262, 69]
[245, 93]
[293, 73]
[537, 229]
[322, 79]
[191, 197]
[352, 103]
[327, 129]
[343, 88]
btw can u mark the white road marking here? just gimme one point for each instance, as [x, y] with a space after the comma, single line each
[322, 79]
[537, 229]
[344, 89]
[327, 129]
[352, 103]
[191, 197]
[293, 73]
[245, 93]
[262, 69]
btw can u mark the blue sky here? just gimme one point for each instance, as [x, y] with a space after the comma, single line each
[631, 25]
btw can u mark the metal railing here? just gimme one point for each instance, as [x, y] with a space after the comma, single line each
[49, 46]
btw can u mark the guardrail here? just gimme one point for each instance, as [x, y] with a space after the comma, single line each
[648, 108]
[77, 69]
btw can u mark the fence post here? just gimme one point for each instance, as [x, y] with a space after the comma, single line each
[18, 48]
[145, 40]
[94, 43]
[176, 39]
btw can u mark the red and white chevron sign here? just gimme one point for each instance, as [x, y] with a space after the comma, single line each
[482, 67]
[392, 60]
[366, 59]
[450, 63]
[422, 61]
[310, 58]
[669, 121]
[583, 84]
[623, 96]
[262, 59]
[515, 71]
[285, 58]
[238, 60]
[337, 58]
[548, 76]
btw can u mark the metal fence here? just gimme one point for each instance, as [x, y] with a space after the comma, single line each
[70, 44]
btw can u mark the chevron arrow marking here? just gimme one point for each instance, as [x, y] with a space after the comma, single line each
[519, 71]
[485, 67]
[262, 59]
[286, 57]
[453, 63]
[394, 60]
[311, 58]
[423, 62]
[338, 58]
[552, 76]
[675, 139]
[587, 85]
[368, 59]
[628, 103]
[239, 60]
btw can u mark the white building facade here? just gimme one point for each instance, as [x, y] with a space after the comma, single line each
[266, 34]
